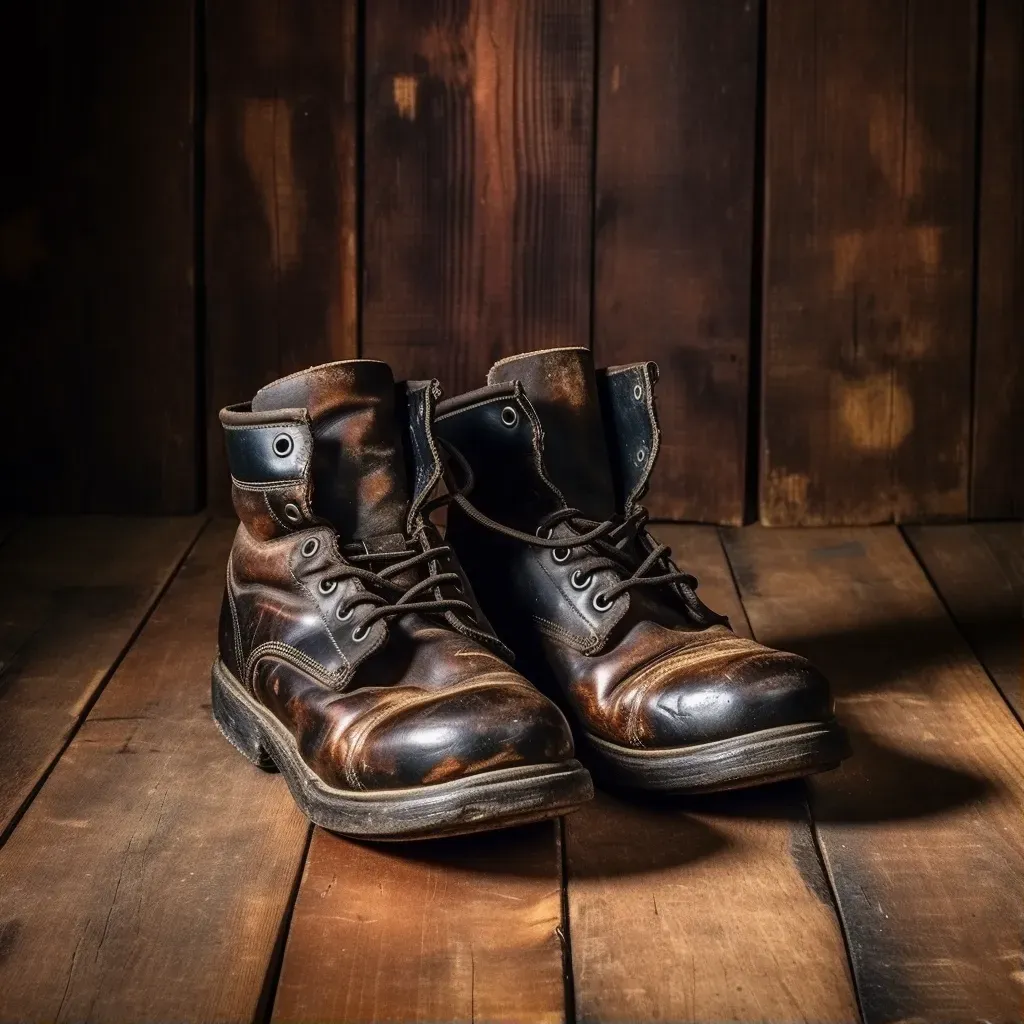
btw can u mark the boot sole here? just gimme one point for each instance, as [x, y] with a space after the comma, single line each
[770, 755]
[493, 799]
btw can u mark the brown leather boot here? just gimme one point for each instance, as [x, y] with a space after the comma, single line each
[353, 655]
[665, 696]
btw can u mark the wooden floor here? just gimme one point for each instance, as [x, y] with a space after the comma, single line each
[149, 873]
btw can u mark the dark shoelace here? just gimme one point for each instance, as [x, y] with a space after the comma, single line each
[611, 543]
[357, 557]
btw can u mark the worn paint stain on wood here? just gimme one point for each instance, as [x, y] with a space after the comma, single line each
[875, 414]
[404, 89]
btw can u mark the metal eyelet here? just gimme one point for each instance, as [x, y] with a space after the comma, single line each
[638, 392]
[360, 633]
[283, 445]
[560, 555]
[292, 513]
[327, 586]
[344, 616]
[509, 416]
[311, 547]
[601, 603]
[641, 455]
[580, 582]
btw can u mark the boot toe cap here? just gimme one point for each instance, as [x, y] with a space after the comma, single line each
[441, 737]
[765, 690]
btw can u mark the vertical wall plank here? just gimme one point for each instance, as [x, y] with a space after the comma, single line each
[478, 182]
[676, 126]
[997, 473]
[280, 197]
[96, 258]
[869, 225]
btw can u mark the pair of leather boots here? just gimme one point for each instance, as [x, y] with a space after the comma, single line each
[409, 684]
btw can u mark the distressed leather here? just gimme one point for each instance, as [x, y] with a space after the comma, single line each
[320, 460]
[648, 672]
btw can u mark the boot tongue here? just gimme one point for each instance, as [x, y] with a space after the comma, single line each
[358, 467]
[561, 385]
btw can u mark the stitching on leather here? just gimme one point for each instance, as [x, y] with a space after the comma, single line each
[475, 405]
[558, 633]
[286, 653]
[239, 660]
[273, 514]
[277, 485]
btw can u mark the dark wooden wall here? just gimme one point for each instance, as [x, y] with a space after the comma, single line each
[810, 212]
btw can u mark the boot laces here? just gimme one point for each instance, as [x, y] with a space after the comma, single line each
[614, 544]
[378, 581]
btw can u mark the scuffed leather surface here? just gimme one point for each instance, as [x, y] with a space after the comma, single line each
[631, 427]
[561, 388]
[358, 470]
[652, 678]
[420, 700]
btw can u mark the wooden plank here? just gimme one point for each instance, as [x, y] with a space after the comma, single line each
[456, 930]
[978, 570]
[868, 260]
[922, 828]
[281, 225]
[75, 593]
[698, 910]
[676, 128]
[478, 182]
[96, 259]
[149, 878]
[997, 470]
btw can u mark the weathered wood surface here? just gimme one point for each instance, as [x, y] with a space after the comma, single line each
[461, 929]
[997, 470]
[149, 878]
[281, 219]
[97, 239]
[707, 909]
[921, 829]
[978, 570]
[478, 183]
[74, 594]
[674, 232]
[868, 259]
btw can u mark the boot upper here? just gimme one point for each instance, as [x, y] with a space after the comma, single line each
[345, 614]
[611, 624]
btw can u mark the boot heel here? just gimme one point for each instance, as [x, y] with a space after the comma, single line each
[235, 720]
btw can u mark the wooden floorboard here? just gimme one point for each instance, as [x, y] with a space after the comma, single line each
[978, 570]
[922, 829]
[149, 878]
[710, 909]
[461, 929]
[74, 594]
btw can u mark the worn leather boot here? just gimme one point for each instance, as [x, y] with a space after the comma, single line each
[353, 655]
[549, 462]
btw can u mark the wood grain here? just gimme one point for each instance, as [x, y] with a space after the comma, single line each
[281, 220]
[708, 909]
[674, 225]
[921, 828]
[149, 878]
[997, 469]
[97, 258]
[868, 260]
[456, 930]
[978, 570]
[75, 592]
[478, 182]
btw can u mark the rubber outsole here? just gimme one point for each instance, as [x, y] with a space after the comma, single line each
[756, 758]
[494, 799]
